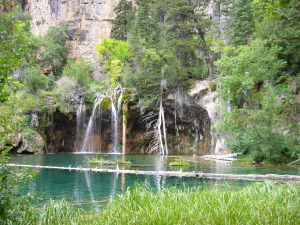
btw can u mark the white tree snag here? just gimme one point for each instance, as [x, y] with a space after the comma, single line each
[164, 130]
[125, 111]
[159, 127]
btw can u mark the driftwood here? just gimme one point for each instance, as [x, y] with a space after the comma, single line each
[228, 157]
[291, 163]
[105, 162]
[175, 173]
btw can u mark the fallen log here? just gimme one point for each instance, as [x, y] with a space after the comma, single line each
[105, 162]
[291, 163]
[174, 173]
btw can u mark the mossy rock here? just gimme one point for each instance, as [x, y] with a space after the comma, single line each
[105, 103]
[126, 95]
[213, 86]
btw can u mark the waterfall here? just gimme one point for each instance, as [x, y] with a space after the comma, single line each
[116, 100]
[34, 122]
[89, 129]
[80, 118]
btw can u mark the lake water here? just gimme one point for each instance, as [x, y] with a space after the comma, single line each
[90, 187]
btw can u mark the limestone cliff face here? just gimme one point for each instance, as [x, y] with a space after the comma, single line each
[205, 96]
[89, 21]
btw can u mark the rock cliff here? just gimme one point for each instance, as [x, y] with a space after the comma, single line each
[89, 21]
[188, 128]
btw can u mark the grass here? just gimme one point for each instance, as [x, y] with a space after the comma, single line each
[120, 161]
[243, 160]
[95, 160]
[261, 203]
[181, 162]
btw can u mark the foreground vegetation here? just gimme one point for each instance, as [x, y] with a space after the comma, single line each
[261, 203]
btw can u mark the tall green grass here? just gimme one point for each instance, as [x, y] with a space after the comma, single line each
[262, 203]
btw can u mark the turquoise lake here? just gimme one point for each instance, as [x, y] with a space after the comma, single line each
[92, 187]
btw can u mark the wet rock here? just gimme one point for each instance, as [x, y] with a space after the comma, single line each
[32, 145]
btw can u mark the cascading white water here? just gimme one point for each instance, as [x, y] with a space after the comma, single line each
[116, 103]
[87, 135]
[34, 122]
[116, 100]
[80, 118]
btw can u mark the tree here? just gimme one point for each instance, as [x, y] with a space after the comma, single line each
[53, 49]
[175, 34]
[280, 27]
[12, 47]
[123, 20]
[113, 53]
[143, 21]
[258, 124]
[241, 21]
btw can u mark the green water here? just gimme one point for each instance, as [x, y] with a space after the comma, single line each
[79, 186]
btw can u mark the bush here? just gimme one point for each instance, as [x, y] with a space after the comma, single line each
[28, 102]
[69, 91]
[34, 81]
[80, 71]
[273, 147]
[12, 202]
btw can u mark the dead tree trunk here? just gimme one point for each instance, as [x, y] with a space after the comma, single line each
[291, 163]
[164, 130]
[162, 151]
[125, 111]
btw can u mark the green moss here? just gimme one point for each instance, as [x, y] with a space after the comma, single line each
[126, 95]
[126, 114]
[213, 86]
[105, 103]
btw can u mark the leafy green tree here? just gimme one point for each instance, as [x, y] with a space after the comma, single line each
[123, 21]
[281, 27]
[113, 53]
[53, 49]
[257, 122]
[13, 44]
[245, 68]
[11, 48]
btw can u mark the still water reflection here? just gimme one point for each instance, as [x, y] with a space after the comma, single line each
[90, 187]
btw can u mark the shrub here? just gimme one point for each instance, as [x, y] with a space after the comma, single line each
[80, 71]
[34, 81]
[70, 92]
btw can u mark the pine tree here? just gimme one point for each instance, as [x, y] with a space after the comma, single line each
[123, 21]
[241, 21]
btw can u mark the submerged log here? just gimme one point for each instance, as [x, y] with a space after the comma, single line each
[105, 162]
[291, 163]
[175, 173]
